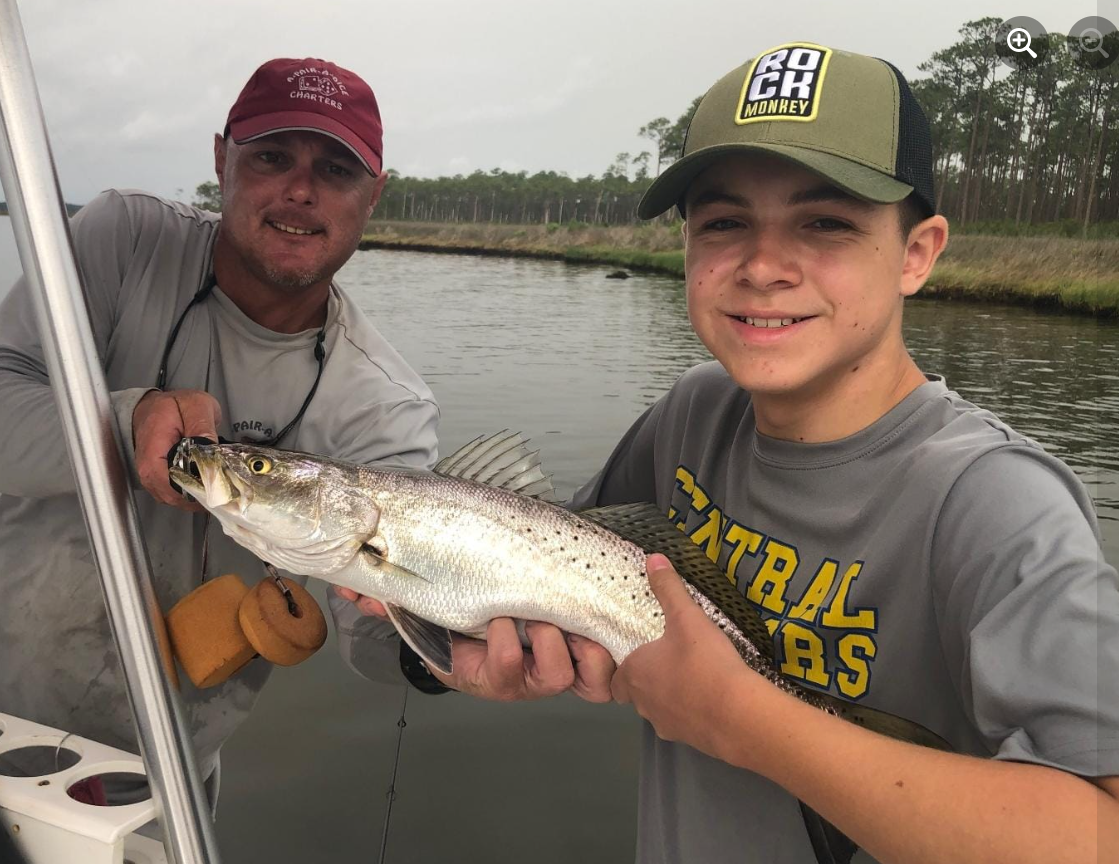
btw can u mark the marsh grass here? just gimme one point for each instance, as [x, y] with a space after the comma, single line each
[1062, 272]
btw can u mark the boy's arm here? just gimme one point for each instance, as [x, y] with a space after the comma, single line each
[901, 802]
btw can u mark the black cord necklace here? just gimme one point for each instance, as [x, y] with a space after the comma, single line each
[201, 295]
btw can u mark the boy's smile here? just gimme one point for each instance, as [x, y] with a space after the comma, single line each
[796, 287]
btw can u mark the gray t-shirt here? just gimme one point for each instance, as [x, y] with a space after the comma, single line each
[936, 565]
[143, 259]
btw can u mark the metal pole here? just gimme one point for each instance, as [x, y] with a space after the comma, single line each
[43, 238]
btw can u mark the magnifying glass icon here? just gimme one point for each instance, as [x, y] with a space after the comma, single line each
[1019, 39]
[1091, 34]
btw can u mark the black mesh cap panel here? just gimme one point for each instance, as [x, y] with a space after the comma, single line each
[914, 163]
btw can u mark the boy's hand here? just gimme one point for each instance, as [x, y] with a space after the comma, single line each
[680, 683]
[500, 669]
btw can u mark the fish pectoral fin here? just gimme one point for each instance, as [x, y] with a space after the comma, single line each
[647, 527]
[390, 569]
[430, 641]
[502, 461]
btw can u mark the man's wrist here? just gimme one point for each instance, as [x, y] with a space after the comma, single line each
[417, 673]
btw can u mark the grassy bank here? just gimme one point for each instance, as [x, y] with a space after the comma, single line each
[1056, 272]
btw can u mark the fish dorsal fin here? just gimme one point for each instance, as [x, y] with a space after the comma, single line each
[430, 641]
[502, 461]
[650, 529]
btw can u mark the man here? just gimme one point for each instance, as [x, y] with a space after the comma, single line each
[236, 320]
[909, 550]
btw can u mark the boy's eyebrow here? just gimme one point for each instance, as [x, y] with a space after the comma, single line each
[827, 192]
[718, 196]
[814, 195]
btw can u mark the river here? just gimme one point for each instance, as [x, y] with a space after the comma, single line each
[570, 359]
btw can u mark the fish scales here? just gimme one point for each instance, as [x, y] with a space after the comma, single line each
[446, 551]
[455, 553]
[501, 554]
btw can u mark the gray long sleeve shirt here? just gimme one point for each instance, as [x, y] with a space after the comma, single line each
[142, 259]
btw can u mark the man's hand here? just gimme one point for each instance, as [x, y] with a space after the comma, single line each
[366, 605]
[500, 669]
[680, 682]
[159, 421]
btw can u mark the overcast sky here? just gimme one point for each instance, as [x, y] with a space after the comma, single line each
[133, 90]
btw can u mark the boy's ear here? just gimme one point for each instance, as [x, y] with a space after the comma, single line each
[926, 241]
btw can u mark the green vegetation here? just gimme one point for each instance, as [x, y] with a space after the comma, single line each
[1060, 272]
[1028, 150]
[207, 196]
[71, 209]
[1024, 151]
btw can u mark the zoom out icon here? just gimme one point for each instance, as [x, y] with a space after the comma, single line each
[1093, 42]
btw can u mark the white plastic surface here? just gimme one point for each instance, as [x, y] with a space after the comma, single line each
[47, 815]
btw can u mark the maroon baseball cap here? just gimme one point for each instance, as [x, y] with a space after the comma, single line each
[314, 95]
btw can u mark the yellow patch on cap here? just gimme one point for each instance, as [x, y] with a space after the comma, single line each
[784, 83]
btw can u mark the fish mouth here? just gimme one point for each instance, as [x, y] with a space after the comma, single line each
[202, 476]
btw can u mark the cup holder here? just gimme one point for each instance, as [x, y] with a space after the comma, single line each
[37, 760]
[111, 789]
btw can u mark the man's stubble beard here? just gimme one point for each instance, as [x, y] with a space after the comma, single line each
[295, 280]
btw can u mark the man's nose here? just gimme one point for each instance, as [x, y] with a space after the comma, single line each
[301, 184]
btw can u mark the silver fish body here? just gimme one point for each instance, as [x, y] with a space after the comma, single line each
[488, 553]
[454, 549]
[451, 550]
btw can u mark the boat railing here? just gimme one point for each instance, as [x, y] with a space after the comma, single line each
[41, 228]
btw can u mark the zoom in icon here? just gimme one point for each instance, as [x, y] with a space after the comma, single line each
[1021, 42]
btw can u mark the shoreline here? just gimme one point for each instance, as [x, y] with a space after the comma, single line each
[1051, 273]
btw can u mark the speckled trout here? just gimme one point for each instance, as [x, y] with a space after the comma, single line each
[480, 537]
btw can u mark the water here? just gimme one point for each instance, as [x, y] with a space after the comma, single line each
[570, 359]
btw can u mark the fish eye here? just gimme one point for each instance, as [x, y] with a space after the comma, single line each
[259, 464]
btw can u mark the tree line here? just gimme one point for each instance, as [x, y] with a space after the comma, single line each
[1012, 148]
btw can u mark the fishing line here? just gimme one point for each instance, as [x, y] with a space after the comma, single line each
[391, 794]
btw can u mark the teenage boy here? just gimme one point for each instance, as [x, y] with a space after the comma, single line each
[909, 550]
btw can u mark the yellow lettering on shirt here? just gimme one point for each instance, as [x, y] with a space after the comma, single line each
[804, 654]
[808, 608]
[855, 651]
[708, 535]
[837, 615]
[768, 587]
[743, 541]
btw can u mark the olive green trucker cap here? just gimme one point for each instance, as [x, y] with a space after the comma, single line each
[849, 118]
